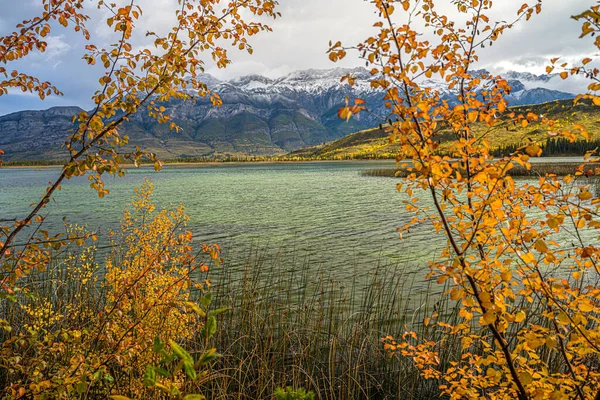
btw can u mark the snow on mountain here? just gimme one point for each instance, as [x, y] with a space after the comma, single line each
[259, 115]
[528, 77]
[314, 82]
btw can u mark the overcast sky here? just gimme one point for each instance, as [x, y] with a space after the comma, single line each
[299, 41]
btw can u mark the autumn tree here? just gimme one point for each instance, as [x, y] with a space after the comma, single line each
[135, 79]
[115, 339]
[528, 301]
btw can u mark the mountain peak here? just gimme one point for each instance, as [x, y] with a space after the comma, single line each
[258, 115]
[527, 76]
[315, 74]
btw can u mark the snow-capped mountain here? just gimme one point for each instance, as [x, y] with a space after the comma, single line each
[259, 115]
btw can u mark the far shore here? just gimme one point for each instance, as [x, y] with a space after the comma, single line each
[547, 162]
[167, 164]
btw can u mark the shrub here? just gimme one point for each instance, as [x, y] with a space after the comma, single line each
[82, 328]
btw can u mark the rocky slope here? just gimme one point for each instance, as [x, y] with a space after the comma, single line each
[259, 116]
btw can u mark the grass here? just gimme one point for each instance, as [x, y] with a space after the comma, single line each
[290, 324]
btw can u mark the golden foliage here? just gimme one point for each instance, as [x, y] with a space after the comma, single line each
[134, 79]
[58, 343]
[521, 257]
[82, 328]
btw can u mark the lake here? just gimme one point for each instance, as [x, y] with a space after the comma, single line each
[321, 213]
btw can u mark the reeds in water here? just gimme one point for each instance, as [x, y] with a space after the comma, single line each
[537, 169]
[292, 325]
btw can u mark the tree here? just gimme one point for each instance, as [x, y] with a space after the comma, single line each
[133, 79]
[528, 301]
[84, 348]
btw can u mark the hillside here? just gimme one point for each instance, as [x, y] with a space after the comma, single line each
[373, 143]
[259, 117]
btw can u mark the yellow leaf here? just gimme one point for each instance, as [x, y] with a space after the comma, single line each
[457, 294]
[585, 307]
[553, 223]
[528, 258]
[525, 378]
[564, 75]
[563, 318]
[489, 318]
[520, 316]
[506, 275]
[533, 150]
[541, 246]
[550, 342]
[585, 195]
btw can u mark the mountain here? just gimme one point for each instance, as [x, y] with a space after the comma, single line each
[259, 116]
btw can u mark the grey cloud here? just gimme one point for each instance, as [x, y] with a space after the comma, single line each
[299, 41]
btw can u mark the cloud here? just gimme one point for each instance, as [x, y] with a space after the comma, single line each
[299, 41]
[57, 48]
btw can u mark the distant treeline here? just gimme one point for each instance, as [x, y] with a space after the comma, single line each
[552, 147]
[555, 147]
[32, 163]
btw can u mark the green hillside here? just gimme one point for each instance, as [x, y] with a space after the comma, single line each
[374, 143]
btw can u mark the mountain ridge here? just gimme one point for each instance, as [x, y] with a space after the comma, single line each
[259, 116]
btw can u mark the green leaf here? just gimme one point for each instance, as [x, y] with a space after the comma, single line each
[206, 299]
[162, 372]
[150, 376]
[208, 357]
[189, 369]
[180, 351]
[218, 311]
[158, 345]
[193, 397]
[81, 387]
[211, 327]
[195, 308]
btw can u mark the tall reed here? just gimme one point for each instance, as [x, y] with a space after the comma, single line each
[293, 325]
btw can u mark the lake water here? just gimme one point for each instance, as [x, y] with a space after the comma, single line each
[321, 214]
[324, 213]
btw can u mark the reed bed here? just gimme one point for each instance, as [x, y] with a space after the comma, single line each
[297, 327]
[537, 169]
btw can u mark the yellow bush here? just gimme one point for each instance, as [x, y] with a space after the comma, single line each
[85, 328]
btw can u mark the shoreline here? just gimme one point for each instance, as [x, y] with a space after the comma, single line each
[213, 163]
[180, 164]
